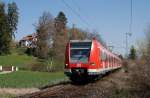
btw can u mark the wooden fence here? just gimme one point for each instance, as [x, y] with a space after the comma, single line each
[8, 68]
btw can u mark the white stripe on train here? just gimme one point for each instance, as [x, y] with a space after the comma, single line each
[96, 71]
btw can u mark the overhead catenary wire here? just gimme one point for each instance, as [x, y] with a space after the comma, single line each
[83, 13]
[76, 13]
[77, 6]
[131, 17]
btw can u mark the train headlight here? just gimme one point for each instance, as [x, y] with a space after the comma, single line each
[66, 65]
[93, 64]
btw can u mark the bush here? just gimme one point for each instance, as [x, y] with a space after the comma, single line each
[140, 80]
[125, 66]
[43, 66]
[29, 51]
[20, 51]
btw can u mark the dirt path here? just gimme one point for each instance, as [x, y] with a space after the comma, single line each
[17, 91]
[102, 88]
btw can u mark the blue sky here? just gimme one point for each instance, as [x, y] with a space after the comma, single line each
[108, 17]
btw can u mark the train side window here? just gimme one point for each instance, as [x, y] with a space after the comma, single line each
[106, 58]
[113, 61]
[109, 60]
[103, 56]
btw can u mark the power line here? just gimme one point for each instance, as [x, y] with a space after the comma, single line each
[76, 13]
[78, 7]
[131, 14]
[83, 12]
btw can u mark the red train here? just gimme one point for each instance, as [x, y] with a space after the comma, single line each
[88, 59]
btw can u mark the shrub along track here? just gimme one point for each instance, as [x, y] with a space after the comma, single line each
[102, 88]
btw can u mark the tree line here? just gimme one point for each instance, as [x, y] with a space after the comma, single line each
[54, 31]
[52, 37]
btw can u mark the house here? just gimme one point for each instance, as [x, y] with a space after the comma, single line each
[28, 41]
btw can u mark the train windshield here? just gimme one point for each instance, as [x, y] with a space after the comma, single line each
[79, 52]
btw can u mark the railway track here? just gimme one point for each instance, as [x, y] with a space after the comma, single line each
[97, 89]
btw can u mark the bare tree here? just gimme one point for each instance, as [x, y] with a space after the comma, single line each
[141, 70]
[45, 30]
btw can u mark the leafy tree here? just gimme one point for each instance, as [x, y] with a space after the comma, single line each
[2, 26]
[60, 22]
[5, 37]
[45, 29]
[132, 54]
[12, 18]
[60, 37]
[8, 26]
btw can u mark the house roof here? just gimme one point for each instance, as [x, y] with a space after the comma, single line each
[28, 37]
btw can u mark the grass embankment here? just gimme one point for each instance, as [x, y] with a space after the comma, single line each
[15, 60]
[25, 62]
[28, 79]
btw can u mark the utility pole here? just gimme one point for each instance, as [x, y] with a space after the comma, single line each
[130, 28]
[127, 34]
[73, 28]
[73, 31]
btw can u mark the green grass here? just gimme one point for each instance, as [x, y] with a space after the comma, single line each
[15, 60]
[7, 96]
[28, 79]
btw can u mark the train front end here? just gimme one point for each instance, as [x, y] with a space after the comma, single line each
[81, 59]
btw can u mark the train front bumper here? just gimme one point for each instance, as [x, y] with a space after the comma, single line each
[80, 71]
